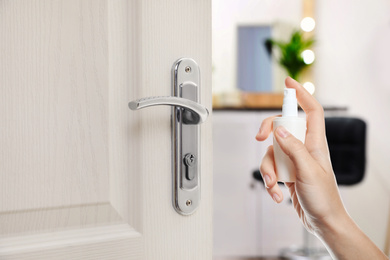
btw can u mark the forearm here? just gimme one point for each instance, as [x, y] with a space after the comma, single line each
[345, 240]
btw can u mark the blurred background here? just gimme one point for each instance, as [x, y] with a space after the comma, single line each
[342, 56]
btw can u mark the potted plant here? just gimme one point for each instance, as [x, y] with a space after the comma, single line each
[290, 56]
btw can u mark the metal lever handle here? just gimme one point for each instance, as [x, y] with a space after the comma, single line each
[187, 113]
[198, 113]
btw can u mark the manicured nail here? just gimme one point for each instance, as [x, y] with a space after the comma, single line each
[276, 197]
[258, 133]
[282, 132]
[292, 79]
[267, 181]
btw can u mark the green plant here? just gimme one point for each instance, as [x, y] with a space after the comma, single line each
[290, 56]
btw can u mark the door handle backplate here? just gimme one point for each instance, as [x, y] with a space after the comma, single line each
[186, 139]
[187, 115]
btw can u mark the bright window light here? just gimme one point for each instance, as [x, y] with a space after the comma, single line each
[309, 87]
[308, 24]
[308, 56]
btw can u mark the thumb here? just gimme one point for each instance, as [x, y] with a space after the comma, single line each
[294, 149]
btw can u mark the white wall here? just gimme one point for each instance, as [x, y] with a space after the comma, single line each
[352, 69]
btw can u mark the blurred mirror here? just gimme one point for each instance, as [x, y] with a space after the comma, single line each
[241, 60]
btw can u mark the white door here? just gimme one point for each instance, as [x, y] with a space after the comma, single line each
[82, 176]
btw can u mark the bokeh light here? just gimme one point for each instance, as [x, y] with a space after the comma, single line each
[309, 87]
[308, 56]
[308, 24]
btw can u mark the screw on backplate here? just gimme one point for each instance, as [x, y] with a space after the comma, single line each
[189, 203]
[189, 159]
[187, 69]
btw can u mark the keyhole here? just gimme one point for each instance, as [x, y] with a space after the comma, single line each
[190, 163]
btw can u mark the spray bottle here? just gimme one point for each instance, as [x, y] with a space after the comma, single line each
[285, 170]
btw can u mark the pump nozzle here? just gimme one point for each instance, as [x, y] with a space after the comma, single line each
[290, 103]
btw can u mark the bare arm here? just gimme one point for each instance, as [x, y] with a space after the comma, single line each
[345, 240]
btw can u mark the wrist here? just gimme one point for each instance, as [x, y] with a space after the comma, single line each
[338, 232]
[334, 225]
[344, 239]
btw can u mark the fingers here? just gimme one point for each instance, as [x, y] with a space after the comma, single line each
[314, 114]
[267, 170]
[296, 150]
[265, 128]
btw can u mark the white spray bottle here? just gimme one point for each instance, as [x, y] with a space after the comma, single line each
[285, 170]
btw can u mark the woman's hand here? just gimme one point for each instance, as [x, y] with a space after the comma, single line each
[315, 194]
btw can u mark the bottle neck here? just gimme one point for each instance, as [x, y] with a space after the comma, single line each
[290, 110]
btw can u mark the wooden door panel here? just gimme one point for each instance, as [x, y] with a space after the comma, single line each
[81, 176]
[54, 106]
[65, 181]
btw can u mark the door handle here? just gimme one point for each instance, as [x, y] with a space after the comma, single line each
[187, 115]
[195, 113]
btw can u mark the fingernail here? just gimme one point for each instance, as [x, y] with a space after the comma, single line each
[291, 79]
[258, 133]
[276, 197]
[282, 132]
[267, 181]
